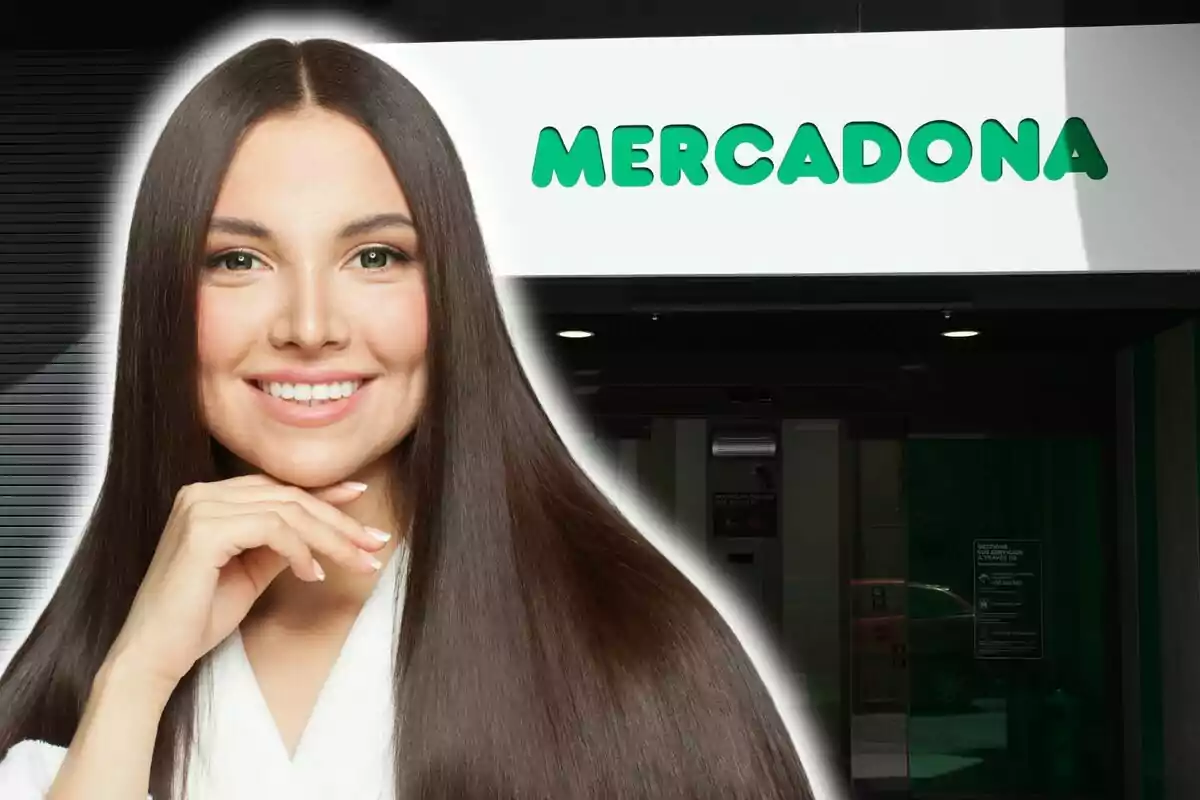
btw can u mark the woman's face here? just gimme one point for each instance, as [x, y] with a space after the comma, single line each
[312, 315]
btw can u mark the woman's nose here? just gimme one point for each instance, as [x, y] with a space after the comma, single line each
[309, 318]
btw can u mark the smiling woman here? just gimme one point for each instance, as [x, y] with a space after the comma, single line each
[339, 549]
[312, 303]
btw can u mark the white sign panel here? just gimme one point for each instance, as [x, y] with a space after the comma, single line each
[953, 152]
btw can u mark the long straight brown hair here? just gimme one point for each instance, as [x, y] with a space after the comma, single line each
[547, 650]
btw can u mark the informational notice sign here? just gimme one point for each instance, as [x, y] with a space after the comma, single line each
[1008, 599]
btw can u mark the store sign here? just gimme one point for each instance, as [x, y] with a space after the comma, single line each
[946, 152]
[937, 152]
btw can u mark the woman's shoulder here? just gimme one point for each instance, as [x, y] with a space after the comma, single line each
[28, 769]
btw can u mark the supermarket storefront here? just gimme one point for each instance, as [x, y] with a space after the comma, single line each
[924, 154]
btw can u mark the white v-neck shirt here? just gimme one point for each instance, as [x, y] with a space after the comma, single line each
[345, 750]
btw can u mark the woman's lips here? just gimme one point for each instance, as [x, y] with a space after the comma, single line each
[308, 413]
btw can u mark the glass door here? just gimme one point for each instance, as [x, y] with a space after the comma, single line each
[1008, 646]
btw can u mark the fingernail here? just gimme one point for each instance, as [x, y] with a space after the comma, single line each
[382, 536]
[317, 569]
[374, 562]
[355, 486]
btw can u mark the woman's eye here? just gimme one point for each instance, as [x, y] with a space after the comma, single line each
[377, 258]
[234, 261]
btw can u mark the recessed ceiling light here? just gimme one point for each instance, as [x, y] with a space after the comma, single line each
[960, 334]
[576, 334]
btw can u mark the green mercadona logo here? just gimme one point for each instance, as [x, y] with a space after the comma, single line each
[687, 153]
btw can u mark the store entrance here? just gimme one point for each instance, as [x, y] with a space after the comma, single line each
[932, 523]
[979, 611]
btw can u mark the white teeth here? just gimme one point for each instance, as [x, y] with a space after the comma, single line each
[311, 393]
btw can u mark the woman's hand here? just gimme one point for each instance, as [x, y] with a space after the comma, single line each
[223, 545]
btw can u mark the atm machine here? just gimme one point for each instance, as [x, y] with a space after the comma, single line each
[743, 485]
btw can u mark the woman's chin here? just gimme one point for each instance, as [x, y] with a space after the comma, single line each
[308, 465]
[310, 476]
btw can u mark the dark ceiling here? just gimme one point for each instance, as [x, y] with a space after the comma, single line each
[870, 350]
[44, 26]
[901, 333]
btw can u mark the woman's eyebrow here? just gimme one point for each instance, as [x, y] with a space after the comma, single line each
[375, 222]
[240, 227]
[359, 227]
